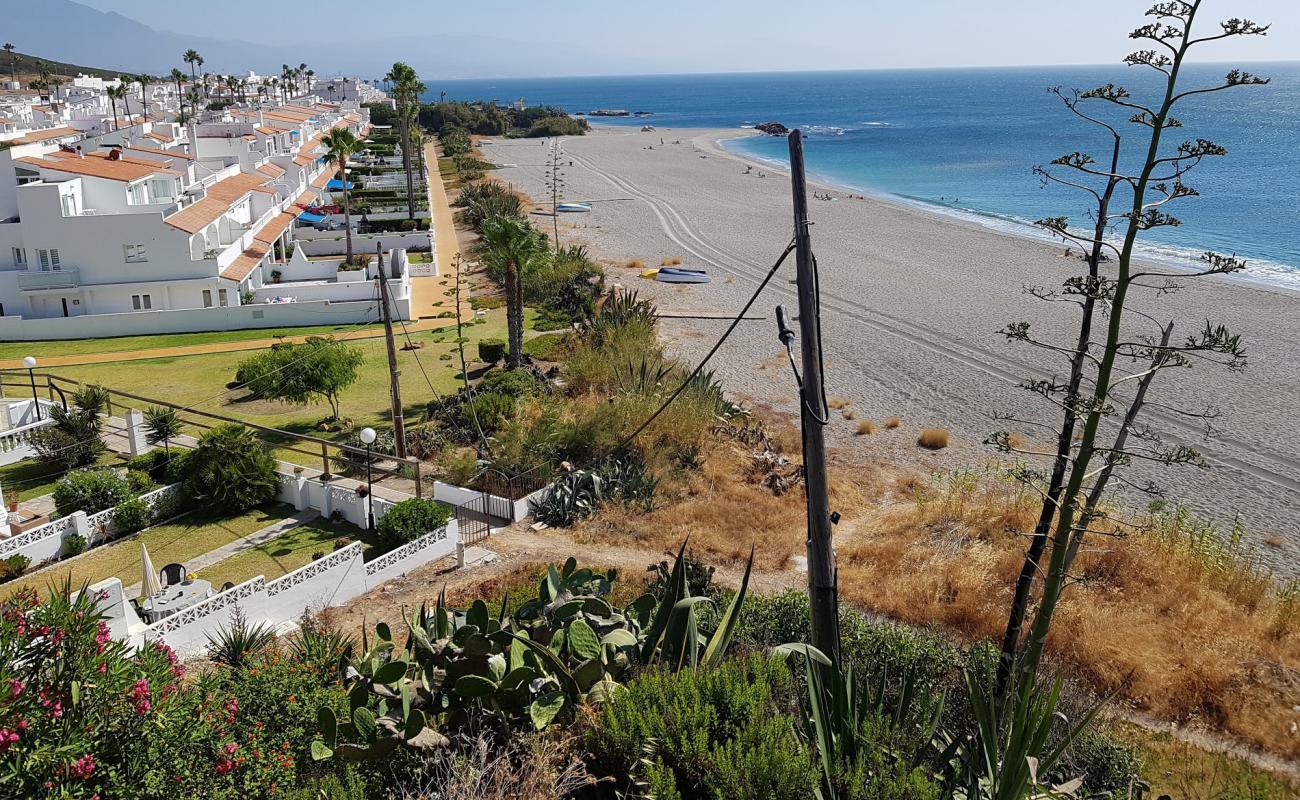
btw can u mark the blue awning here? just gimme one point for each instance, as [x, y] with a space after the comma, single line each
[336, 184]
[307, 216]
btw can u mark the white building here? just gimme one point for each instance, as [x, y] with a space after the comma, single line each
[124, 229]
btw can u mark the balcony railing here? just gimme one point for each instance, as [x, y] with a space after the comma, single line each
[66, 278]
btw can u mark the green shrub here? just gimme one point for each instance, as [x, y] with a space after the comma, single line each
[547, 347]
[131, 516]
[723, 732]
[513, 382]
[230, 470]
[490, 351]
[73, 545]
[140, 482]
[410, 519]
[13, 567]
[556, 126]
[162, 467]
[91, 491]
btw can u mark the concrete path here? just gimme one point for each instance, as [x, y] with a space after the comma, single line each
[238, 546]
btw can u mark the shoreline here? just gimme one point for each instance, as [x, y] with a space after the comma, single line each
[1008, 226]
[913, 304]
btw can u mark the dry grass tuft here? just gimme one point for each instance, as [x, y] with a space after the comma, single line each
[932, 439]
[1273, 541]
[1016, 441]
[836, 401]
[634, 263]
[866, 428]
[893, 422]
[671, 262]
[848, 413]
[1204, 635]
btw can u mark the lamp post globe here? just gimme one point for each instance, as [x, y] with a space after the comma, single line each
[30, 363]
[368, 438]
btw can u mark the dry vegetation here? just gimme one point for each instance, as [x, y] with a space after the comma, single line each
[670, 262]
[724, 509]
[932, 439]
[837, 402]
[866, 428]
[893, 422]
[634, 263]
[1179, 623]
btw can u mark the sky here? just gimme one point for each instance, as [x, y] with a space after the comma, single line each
[736, 35]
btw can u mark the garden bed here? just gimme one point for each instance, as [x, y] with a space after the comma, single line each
[287, 552]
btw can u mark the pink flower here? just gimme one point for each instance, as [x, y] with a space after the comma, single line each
[8, 739]
[103, 667]
[224, 766]
[16, 687]
[230, 748]
[83, 767]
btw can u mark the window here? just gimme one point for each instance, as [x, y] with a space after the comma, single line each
[49, 259]
[207, 298]
[221, 294]
[20, 257]
[135, 253]
[136, 193]
[69, 205]
[141, 302]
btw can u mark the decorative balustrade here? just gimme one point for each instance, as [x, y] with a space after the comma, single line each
[214, 604]
[55, 528]
[304, 574]
[405, 551]
[15, 438]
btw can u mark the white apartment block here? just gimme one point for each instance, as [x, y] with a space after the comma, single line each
[154, 227]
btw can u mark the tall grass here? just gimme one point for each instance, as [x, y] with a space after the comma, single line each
[1176, 614]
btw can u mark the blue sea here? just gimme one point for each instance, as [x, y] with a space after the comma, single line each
[965, 141]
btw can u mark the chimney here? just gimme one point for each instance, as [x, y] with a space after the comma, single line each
[193, 137]
[79, 153]
[261, 118]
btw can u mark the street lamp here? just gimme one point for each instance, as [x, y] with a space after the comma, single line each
[30, 363]
[368, 438]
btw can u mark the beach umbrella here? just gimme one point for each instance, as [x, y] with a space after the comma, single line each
[149, 583]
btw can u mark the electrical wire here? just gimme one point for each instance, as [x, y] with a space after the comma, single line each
[712, 351]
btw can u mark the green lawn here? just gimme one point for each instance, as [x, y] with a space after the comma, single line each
[287, 552]
[78, 347]
[178, 541]
[202, 380]
[31, 478]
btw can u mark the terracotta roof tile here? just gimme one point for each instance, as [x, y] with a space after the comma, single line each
[271, 170]
[322, 179]
[158, 151]
[278, 225]
[158, 136]
[221, 196]
[246, 262]
[45, 135]
[95, 166]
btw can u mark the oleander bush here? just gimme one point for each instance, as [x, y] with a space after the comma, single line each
[131, 516]
[91, 491]
[13, 567]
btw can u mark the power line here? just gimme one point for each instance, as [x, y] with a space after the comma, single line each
[717, 345]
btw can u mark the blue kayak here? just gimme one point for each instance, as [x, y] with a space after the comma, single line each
[675, 275]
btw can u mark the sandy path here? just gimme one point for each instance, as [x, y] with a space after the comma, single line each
[912, 307]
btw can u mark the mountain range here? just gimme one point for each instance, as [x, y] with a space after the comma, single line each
[72, 32]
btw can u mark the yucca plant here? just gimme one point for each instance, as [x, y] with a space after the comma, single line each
[240, 642]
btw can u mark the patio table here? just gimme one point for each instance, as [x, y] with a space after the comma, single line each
[175, 598]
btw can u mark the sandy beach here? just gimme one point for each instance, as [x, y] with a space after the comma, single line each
[912, 305]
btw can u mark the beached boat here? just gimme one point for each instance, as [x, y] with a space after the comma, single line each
[677, 275]
[573, 208]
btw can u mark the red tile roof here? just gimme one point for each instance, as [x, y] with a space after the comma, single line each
[271, 170]
[220, 197]
[100, 166]
[246, 262]
[45, 135]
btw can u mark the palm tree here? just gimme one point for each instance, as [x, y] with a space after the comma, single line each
[177, 76]
[161, 425]
[339, 144]
[144, 80]
[232, 86]
[193, 58]
[406, 88]
[13, 62]
[115, 92]
[513, 247]
[311, 78]
[194, 98]
[301, 72]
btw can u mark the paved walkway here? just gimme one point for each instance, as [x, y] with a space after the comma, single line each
[238, 546]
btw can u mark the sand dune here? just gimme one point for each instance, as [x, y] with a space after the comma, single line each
[912, 306]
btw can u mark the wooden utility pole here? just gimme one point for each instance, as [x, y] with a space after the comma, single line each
[399, 426]
[822, 578]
